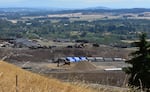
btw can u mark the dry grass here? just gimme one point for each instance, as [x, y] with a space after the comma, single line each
[29, 82]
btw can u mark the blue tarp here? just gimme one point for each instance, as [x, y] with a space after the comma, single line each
[83, 59]
[77, 59]
[70, 59]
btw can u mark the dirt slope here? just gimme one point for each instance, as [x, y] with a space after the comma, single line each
[29, 82]
[84, 66]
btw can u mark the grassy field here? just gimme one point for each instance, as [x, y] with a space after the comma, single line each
[100, 16]
[29, 82]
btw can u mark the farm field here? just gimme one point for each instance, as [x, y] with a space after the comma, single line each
[98, 16]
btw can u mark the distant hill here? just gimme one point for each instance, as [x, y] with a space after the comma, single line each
[86, 10]
[107, 10]
[99, 7]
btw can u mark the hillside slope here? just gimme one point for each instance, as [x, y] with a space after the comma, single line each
[30, 82]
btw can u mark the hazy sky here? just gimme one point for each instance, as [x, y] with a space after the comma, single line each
[76, 3]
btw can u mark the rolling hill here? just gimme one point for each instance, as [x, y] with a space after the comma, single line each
[30, 82]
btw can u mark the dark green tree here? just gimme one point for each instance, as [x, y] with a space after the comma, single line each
[139, 70]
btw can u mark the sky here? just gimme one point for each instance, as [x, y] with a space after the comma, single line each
[76, 3]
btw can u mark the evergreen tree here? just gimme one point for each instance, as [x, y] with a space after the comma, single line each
[140, 64]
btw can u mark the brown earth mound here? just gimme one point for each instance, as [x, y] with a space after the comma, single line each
[84, 66]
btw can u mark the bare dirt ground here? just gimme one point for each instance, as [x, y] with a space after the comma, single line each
[40, 61]
[86, 74]
[44, 55]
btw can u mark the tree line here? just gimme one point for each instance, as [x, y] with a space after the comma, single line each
[100, 31]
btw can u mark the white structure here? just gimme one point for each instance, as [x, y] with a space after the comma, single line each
[113, 69]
